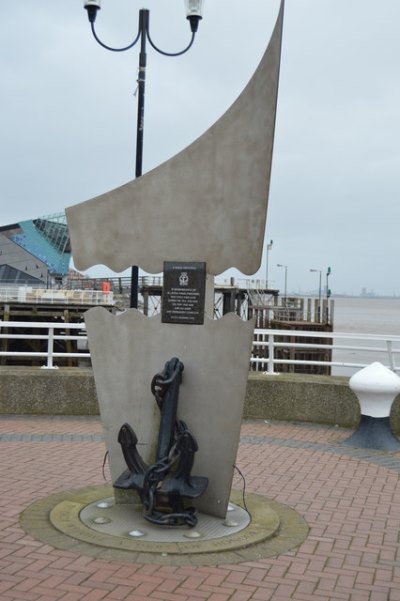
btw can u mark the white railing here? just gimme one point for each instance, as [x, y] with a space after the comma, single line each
[35, 295]
[366, 347]
[359, 349]
[55, 331]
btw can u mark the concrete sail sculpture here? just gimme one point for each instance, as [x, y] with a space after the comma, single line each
[212, 196]
[207, 204]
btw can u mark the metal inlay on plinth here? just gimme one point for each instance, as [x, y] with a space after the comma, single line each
[128, 521]
[82, 521]
[122, 526]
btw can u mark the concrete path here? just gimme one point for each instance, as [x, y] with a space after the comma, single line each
[350, 499]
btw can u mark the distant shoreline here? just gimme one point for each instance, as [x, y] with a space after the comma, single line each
[358, 296]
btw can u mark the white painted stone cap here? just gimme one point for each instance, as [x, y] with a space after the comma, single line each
[376, 387]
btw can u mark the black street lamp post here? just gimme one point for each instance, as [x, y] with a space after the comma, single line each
[193, 14]
[328, 293]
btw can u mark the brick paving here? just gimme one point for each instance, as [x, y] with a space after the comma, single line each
[349, 497]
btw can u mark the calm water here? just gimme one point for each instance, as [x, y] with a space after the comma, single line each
[365, 316]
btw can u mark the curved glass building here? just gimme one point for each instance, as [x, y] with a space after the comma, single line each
[36, 251]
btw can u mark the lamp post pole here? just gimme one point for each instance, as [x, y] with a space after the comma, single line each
[285, 266]
[319, 291]
[328, 293]
[143, 26]
[269, 247]
[193, 14]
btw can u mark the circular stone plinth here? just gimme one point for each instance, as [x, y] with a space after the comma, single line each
[79, 522]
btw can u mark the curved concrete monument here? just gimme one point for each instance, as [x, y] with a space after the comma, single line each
[204, 207]
[208, 203]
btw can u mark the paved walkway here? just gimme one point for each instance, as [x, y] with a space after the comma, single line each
[350, 499]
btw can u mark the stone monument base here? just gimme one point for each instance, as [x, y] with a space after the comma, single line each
[89, 522]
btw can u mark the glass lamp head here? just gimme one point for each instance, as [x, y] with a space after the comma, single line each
[194, 8]
[194, 12]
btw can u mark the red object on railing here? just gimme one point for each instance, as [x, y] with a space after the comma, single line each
[105, 287]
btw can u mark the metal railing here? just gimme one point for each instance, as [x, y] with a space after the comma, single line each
[37, 295]
[55, 331]
[365, 348]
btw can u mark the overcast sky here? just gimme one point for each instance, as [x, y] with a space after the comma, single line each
[68, 118]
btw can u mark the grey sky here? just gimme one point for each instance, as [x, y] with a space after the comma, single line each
[68, 113]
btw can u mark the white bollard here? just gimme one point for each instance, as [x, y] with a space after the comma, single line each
[376, 387]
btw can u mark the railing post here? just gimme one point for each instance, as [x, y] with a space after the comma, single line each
[50, 349]
[389, 347]
[271, 352]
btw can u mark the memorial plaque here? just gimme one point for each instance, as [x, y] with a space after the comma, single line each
[184, 289]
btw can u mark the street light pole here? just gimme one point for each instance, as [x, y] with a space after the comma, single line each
[328, 293]
[319, 290]
[193, 14]
[269, 247]
[285, 266]
[143, 26]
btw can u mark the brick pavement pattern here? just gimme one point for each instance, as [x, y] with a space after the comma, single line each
[350, 499]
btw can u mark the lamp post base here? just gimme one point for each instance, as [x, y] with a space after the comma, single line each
[374, 433]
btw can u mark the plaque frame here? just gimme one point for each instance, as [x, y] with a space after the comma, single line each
[184, 292]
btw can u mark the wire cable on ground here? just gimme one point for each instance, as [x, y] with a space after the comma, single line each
[244, 489]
